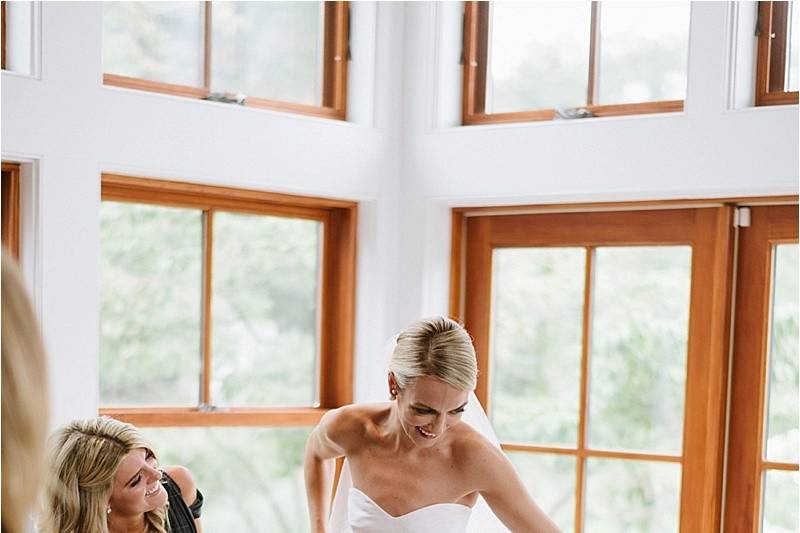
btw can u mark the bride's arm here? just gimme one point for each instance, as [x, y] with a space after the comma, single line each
[505, 493]
[325, 443]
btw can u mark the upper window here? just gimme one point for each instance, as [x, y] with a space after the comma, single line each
[18, 22]
[778, 52]
[283, 55]
[545, 60]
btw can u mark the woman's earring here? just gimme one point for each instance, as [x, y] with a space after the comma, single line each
[394, 394]
[108, 510]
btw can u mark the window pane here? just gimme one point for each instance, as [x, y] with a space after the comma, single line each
[783, 420]
[638, 350]
[644, 47]
[19, 36]
[550, 480]
[269, 50]
[251, 478]
[265, 305]
[150, 269]
[157, 41]
[632, 496]
[536, 330]
[781, 493]
[793, 55]
[538, 55]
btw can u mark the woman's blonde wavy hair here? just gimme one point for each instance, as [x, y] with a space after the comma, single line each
[25, 407]
[84, 457]
[436, 347]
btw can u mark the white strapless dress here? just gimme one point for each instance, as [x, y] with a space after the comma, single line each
[366, 516]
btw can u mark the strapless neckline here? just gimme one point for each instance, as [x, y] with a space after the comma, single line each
[364, 495]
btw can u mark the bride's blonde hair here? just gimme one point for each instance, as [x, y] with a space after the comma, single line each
[84, 458]
[436, 347]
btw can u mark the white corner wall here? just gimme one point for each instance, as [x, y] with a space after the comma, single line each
[401, 155]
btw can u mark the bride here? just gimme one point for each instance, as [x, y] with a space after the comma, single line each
[412, 465]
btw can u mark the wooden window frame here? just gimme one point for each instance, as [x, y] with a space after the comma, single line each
[746, 463]
[337, 302]
[10, 207]
[336, 53]
[771, 61]
[475, 60]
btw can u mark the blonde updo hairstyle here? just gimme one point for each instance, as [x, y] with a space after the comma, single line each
[84, 457]
[25, 406]
[436, 347]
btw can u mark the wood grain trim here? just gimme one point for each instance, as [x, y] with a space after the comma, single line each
[193, 417]
[475, 59]
[127, 82]
[789, 467]
[586, 341]
[707, 369]
[768, 225]
[636, 205]
[586, 452]
[771, 55]
[337, 339]
[207, 295]
[605, 110]
[206, 196]
[336, 56]
[11, 208]
[457, 249]
[478, 300]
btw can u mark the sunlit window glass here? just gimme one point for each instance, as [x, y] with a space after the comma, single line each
[19, 24]
[150, 268]
[537, 320]
[538, 55]
[251, 478]
[632, 496]
[550, 480]
[265, 309]
[793, 55]
[783, 419]
[640, 324]
[157, 41]
[269, 50]
[643, 51]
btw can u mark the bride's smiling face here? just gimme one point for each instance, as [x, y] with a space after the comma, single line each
[427, 408]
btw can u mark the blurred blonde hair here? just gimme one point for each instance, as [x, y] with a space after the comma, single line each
[436, 347]
[84, 457]
[24, 398]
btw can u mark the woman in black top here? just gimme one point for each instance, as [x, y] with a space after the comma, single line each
[103, 477]
[183, 512]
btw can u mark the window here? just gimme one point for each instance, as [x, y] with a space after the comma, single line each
[10, 207]
[778, 53]
[226, 332]
[19, 21]
[543, 60]
[602, 347]
[288, 56]
[763, 479]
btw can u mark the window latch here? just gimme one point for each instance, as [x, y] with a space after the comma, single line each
[741, 217]
[227, 98]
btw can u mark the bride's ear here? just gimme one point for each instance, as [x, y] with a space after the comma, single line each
[392, 386]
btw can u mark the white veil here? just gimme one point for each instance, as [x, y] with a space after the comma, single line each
[482, 519]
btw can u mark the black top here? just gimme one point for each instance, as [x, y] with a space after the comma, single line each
[181, 516]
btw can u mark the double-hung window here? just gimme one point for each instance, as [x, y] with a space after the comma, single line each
[543, 60]
[289, 56]
[226, 333]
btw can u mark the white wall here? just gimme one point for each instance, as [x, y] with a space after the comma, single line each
[402, 156]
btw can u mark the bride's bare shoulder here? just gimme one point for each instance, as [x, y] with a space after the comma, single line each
[351, 425]
[471, 448]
